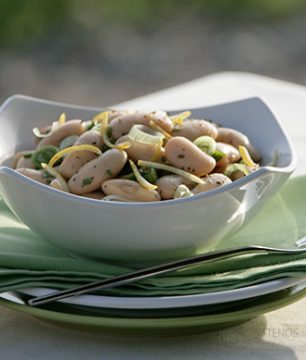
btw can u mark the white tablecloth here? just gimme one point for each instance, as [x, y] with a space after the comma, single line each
[278, 335]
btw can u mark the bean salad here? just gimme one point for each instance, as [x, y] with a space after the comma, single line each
[134, 156]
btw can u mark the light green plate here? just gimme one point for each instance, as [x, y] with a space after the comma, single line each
[166, 326]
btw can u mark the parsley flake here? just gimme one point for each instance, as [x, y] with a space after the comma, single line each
[87, 181]
[108, 172]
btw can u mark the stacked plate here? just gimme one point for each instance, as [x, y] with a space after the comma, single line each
[162, 315]
[228, 291]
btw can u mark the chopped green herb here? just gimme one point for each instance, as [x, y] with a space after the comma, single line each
[88, 125]
[149, 174]
[87, 181]
[104, 148]
[28, 155]
[43, 155]
[47, 176]
[217, 155]
[130, 176]
[108, 172]
[109, 132]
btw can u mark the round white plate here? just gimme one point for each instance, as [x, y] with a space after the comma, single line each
[164, 302]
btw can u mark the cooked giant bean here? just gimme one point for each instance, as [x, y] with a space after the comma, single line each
[121, 125]
[98, 195]
[75, 160]
[212, 181]
[236, 138]
[20, 155]
[55, 184]
[168, 184]
[140, 151]
[129, 189]
[183, 154]
[193, 129]
[123, 155]
[230, 155]
[72, 127]
[25, 162]
[90, 176]
[33, 174]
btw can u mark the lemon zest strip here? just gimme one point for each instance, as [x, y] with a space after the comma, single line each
[103, 130]
[70, 149]
[246, 157]
[99, 117]
[57, 176]
[141, 180]
[178, 119]
[154, 126]
[61, 119]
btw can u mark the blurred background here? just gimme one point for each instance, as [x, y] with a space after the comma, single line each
[99, 52]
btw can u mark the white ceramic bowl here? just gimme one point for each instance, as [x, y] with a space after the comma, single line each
[139, 233]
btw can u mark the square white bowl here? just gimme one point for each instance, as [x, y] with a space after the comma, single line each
[142, 233]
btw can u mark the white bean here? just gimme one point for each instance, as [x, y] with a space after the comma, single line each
[130, 190]
[138, 151]
[183, 154]
[55, 184]
[193, 129]
[25, 163]
[168, 184]
[236, 138]
[212, 181]
[90, 176]
[75, 160]
[98, 195]
[121, 125]
[37, 175]
[231, 155]
[71, 127]
[18, 156]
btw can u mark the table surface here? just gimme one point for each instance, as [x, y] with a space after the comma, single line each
[277, 335]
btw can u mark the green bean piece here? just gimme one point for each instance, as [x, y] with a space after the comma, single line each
[43, 155]
[68, 141]
[206, 144]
